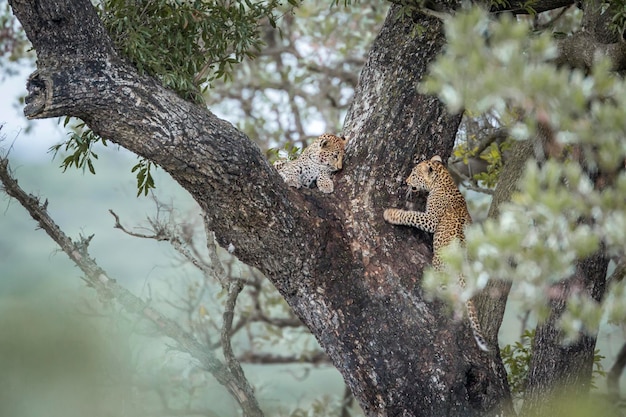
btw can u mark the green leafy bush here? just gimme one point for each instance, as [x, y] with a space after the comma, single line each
[186, 44]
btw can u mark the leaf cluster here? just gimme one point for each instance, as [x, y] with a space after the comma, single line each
[80, 145]
[81, 155]
[289, 152]
[516, 358]
[145, 181]
[618, 20]
[493, 155]
[187, 44]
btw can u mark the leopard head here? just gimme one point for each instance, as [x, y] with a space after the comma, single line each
[331, 149]
[424, 175]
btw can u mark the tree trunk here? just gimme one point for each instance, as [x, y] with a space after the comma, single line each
[351, 278]
[559, 368]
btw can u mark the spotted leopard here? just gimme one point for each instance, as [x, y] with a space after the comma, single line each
[446, 216]
[316, 163]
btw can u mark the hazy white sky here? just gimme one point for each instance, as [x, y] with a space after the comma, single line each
[43, 134]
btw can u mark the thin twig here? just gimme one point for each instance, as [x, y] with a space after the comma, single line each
[240, 387]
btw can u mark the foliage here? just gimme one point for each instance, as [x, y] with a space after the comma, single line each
[81, 155]
[145, 181]
[80, 144]
[568, 205]
[13, 42]
[492, 155]
[618, 9]
[300, 85]
[289, 152]
[495, 162]
[516, 358]
[187, 44]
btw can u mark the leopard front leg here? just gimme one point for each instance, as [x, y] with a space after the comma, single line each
[421, 220]
[325, 182]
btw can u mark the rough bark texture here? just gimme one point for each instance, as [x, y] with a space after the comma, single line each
[559, 368]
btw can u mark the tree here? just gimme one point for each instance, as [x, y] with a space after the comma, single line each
[352, 279]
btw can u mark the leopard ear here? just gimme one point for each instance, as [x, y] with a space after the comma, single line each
[436, 158]
[323, 142]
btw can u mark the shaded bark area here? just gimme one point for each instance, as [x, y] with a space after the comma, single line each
[352, 279]
[595, 40]
[557, 367]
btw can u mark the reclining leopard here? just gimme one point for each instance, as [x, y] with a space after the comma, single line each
[316, 163]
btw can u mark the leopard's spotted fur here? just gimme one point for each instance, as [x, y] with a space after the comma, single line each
[316, 163]
[446, 216]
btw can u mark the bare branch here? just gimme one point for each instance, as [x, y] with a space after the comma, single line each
[317, 358]
[245, 397]
[97, 278]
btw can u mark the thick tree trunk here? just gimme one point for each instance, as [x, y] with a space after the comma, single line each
[351, 278]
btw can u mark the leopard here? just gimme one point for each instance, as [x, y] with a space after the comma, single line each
[315, 164]
[446, 216]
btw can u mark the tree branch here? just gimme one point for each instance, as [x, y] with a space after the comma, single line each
[245, 395]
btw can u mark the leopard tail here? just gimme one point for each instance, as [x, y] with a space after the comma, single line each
[475, 325]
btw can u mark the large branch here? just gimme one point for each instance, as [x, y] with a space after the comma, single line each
[246, 202]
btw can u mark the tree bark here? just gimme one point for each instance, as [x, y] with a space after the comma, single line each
[351, 278]
[558, 368]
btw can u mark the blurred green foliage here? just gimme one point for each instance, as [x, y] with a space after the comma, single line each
[539, 235]
[618, 9]
[289, 152]
[516, 358]
[56, 363]
[13, 42]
